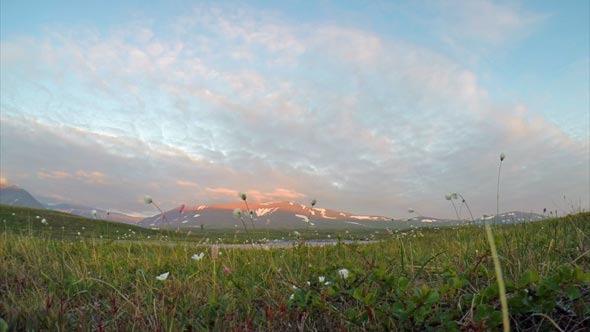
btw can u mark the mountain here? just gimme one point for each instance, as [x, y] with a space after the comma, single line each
[293, 215]
[16, 196]
[512, 217]
[88, 212]
[266, 215]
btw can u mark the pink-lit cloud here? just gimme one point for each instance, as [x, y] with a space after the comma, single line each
[182, 183]
[53, 175]
[257, 195]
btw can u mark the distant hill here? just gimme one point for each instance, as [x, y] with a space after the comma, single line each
[24, 220]
[512, 217]
[87, 212]
[16, 196]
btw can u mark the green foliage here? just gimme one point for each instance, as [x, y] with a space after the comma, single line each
[426, 280]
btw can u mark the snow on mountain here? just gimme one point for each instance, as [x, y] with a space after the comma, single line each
[295, 215]
[266, 214]
[511, 217]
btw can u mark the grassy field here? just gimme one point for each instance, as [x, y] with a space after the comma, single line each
[416, 280]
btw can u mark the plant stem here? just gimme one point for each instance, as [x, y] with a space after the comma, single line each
[249, 215]
[163, 214]
[244, 224]
[499, 278]
[496, 260]
[467, 206]
[455, 207]
[498, 193]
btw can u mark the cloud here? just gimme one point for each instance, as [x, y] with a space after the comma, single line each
[3, 181]
[275, 194]
[92, 177]
[257, 195]
[366, 123]
[222, 192]
[182, 183]
[484, 20]
[53, 175]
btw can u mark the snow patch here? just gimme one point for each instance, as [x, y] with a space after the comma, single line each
[185, 221]
[201, 207]
[353, 222]
[323, 213]
[196, 215]
[365, 217]
[304, 218]
[428, 220]
[269, 203]
[262, 211]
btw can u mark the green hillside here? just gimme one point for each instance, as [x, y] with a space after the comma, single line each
[55, 224]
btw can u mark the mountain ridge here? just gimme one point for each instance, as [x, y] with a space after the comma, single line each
[17, 196]
[287, 214]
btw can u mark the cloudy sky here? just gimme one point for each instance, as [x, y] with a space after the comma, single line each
[370, 107]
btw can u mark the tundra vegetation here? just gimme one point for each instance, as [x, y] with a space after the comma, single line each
[71, 273]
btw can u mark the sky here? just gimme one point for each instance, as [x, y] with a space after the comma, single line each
[370, 107]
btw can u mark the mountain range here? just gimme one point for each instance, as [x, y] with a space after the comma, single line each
[282, 214]
[267, 215]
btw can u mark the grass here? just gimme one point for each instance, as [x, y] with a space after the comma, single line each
[425, 279]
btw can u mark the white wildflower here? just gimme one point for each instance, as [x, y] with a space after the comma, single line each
[163, 276]
[198, 256]
[343, 273]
